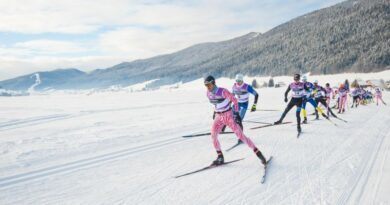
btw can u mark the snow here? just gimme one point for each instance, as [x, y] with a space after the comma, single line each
[125, 148]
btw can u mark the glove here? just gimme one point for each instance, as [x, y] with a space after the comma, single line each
[253, 108]
[285, 100]
[213, 115]
[237, 117]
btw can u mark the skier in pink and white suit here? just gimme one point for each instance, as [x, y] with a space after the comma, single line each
[378, 96]
[221, 98]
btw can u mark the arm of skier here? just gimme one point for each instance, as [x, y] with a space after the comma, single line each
[253, 92]
[226, 94]
[286, 93]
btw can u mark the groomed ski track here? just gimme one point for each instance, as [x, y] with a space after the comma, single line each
[347, 164]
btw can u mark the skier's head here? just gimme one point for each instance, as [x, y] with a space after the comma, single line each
[304, 78]
[297, 77]
[315, 82]
[209, 82]
[342, 85]
[239, 79]
[327, 85]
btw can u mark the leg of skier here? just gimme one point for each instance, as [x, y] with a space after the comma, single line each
[228, 119]
[215, 130]
[303, 107]
[298, 115]
[288, 108]
[243, 107]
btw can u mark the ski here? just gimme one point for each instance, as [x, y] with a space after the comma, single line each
[234, 146]
[341, 119]
[204, 134]
[208, 167]
[265, 170]
[269, 125]
[266, 123]
[264, 110]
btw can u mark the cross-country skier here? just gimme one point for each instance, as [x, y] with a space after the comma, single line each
[329, 94]
[308, 97]
[242, 90]
[342, 98]
[378, 96]
[298, 92]
[356, 93]
[320, 97]
[222, 99]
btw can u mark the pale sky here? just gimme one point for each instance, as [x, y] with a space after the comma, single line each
[40, 35]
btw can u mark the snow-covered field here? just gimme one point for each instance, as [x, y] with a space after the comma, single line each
[126, 148]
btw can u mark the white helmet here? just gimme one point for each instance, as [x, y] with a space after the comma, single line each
[316, 81]
[304, 78]
[240, 77]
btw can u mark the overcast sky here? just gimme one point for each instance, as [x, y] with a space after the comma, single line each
[38, 35]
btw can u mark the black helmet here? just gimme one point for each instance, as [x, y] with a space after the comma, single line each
[327, 84]
[209, 79]
[297, 76]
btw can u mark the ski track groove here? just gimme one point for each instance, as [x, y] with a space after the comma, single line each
[84, 163]
[22, 123]
[364, 171]
[357, 176]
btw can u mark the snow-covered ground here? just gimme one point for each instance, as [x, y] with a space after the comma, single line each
[126, 148]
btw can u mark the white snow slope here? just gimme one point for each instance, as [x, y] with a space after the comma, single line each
[126, 148]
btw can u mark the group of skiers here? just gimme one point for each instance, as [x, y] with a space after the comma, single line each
[230, 108]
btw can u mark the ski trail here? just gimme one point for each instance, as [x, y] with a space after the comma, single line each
[84, 163]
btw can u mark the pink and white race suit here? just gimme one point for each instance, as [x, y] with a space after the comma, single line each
[221, 98]
[328, 94]
[343, 98]
[378, 96]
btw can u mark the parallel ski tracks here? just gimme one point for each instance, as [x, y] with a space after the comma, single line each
[84, 163]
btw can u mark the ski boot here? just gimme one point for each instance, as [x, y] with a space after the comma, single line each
[304, 120]
[260, 156]
[219, 159]
[278, 122]
[239, 141]
[299, 129]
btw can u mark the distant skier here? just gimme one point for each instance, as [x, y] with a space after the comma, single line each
[342, 98]
[320, 97]
[298, 93]
[308, 97]
[222, 99]
[378, 96]
[329, 94]
[356, 96]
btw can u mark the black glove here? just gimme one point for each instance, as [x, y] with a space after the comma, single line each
[285, 99]
[237, 117]
[213, 115]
